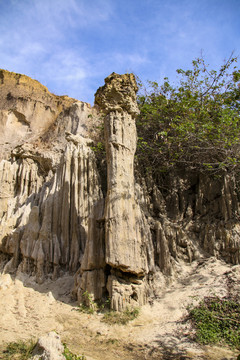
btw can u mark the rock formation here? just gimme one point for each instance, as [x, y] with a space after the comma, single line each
[128, 245]
[56, 214]
[49, 347]
[46, 181]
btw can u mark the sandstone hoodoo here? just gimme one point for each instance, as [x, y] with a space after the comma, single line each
[120, 240]
[128, 244]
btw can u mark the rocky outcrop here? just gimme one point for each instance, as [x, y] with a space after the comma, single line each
[49, 347]
[117, 240]
[129, 251]
[45, 228]
[195, 215]
[46, 181]
[29, 113]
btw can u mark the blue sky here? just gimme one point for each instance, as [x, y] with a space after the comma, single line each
[72, 45]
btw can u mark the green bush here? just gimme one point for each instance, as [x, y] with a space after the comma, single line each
[217, 321]
[193, 124]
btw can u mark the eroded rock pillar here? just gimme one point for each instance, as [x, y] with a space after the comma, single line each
[126, 230]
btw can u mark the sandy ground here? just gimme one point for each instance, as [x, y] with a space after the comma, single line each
[28, 310]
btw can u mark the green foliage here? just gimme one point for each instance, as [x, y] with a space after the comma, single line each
[23, 350]
[99, 148]
[98, 137]
[70, 356]
[18, 350]
[90, 306]
[217, 321]
[122, 318]
[193, 124]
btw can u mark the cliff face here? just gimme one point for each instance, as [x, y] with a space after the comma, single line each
[47, 174]
[56, 217]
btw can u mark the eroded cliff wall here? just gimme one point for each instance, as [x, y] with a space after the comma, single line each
[117, 242]
[47, 174]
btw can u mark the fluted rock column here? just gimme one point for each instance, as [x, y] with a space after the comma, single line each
[126, 230]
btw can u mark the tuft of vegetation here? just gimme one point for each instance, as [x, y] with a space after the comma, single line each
[98, 136]
[217, 321]
[121, 318]
[70, 356]
[18, 350]
[99, 149]
[194, 124]
[24, 350]
[90, 306]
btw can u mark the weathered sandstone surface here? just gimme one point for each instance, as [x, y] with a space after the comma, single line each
[58, 215]
[49, 347]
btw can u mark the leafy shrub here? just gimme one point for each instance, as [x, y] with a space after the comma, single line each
[194, 124]
[217, 321]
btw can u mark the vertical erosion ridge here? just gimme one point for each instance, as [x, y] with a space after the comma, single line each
[127, 235]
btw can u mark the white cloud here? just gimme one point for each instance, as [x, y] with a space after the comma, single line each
[131, 59]
[71, 13]
[67, 66]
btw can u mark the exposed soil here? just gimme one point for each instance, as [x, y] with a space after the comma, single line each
[29, 310]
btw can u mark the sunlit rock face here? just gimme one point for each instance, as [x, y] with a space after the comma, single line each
[119, 233]
[47, 174]
[128, 244]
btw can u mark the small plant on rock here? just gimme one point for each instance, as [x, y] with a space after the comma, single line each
[90, 306]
